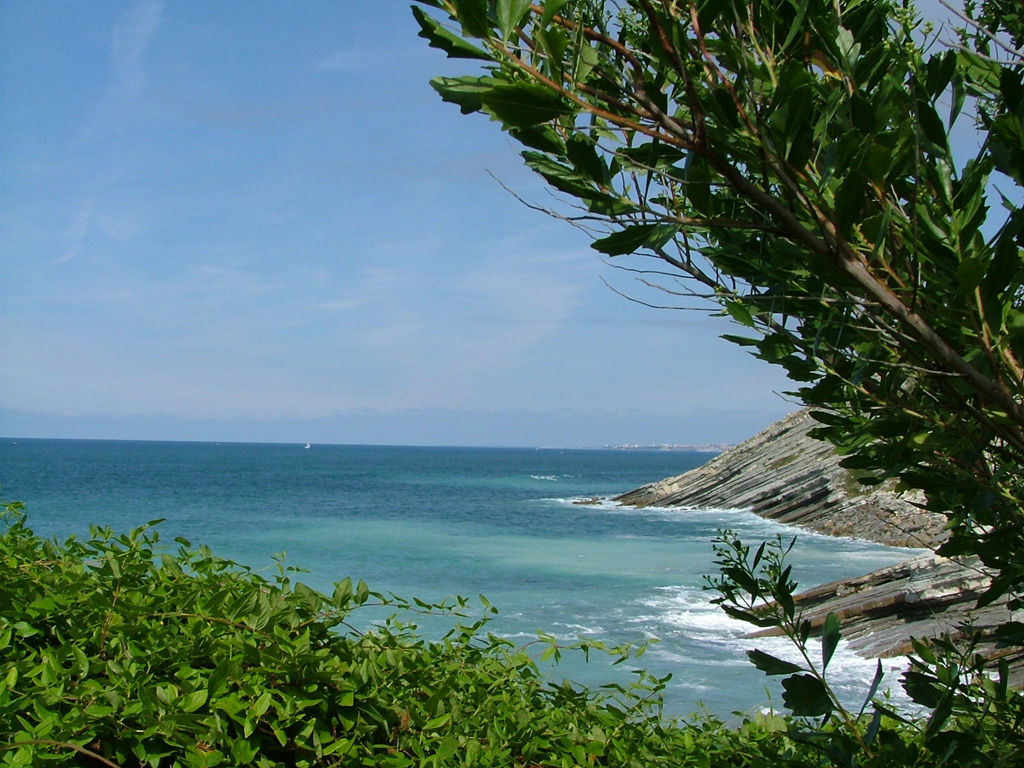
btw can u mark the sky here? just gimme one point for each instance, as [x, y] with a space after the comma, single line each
[257, 222]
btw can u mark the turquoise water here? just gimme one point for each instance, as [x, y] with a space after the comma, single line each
[437, 522]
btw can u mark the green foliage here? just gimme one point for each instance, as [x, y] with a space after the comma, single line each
[115, 652]
[975, 717]
[790, 161]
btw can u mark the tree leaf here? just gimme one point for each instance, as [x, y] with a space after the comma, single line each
[194, 700]
[218, 678]
[849, 202]
[940, 69]
[922, 689]
[449, 746]
[585, 160]
[362, 592]
[342, 592]
[741, 314]
[510, 15]
[758, 620]
[444, 39]
[830, 635]
[551, 8]
[464, 91]
[931, 123]
[521, 104]
[586, 59]
[970, 273]
[472, 16]
[873, 689]
[561, 177]
[1011, 88]
[541, 137]
[633, 238]
[772, 665]
[805, 696]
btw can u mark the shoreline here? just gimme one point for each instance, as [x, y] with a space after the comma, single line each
[784, 474]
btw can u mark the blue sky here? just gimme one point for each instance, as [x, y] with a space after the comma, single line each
[257, 221]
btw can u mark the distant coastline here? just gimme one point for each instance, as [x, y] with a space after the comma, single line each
[695, 448]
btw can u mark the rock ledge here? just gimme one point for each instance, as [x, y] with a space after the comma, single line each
[784, 474]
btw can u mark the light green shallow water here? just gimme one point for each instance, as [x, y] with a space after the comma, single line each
[435, 522]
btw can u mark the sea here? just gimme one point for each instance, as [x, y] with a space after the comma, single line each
[436, 522]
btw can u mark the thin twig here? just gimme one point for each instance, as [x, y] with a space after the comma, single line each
[62, 744]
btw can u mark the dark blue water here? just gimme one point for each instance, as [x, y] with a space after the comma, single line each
[437, 522]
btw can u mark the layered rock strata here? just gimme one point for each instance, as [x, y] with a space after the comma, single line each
[784, 474]
[922, 598]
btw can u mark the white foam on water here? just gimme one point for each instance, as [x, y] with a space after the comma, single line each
[568, 637]
[581, 629]
[676, 657]
[688, 608]
[697, 634]
[520, 635]
[747, 523]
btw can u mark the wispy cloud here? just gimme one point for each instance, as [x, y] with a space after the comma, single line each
[78, 231]
[131, 38]
[349, 60]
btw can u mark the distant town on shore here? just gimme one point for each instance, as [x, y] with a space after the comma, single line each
[700, 447]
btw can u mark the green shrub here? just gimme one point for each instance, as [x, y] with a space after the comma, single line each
[114, 652]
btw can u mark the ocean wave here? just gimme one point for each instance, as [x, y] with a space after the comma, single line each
[749, 524]
[682, 514]
[581, 628]
[696, 633]
[559, 637]
[690, 609]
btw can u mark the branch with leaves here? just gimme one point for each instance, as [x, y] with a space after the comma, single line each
[793, 160]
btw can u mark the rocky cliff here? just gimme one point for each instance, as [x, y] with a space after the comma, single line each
[784, 474]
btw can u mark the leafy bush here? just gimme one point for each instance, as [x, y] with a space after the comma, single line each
[975, 716]
[115, 652]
